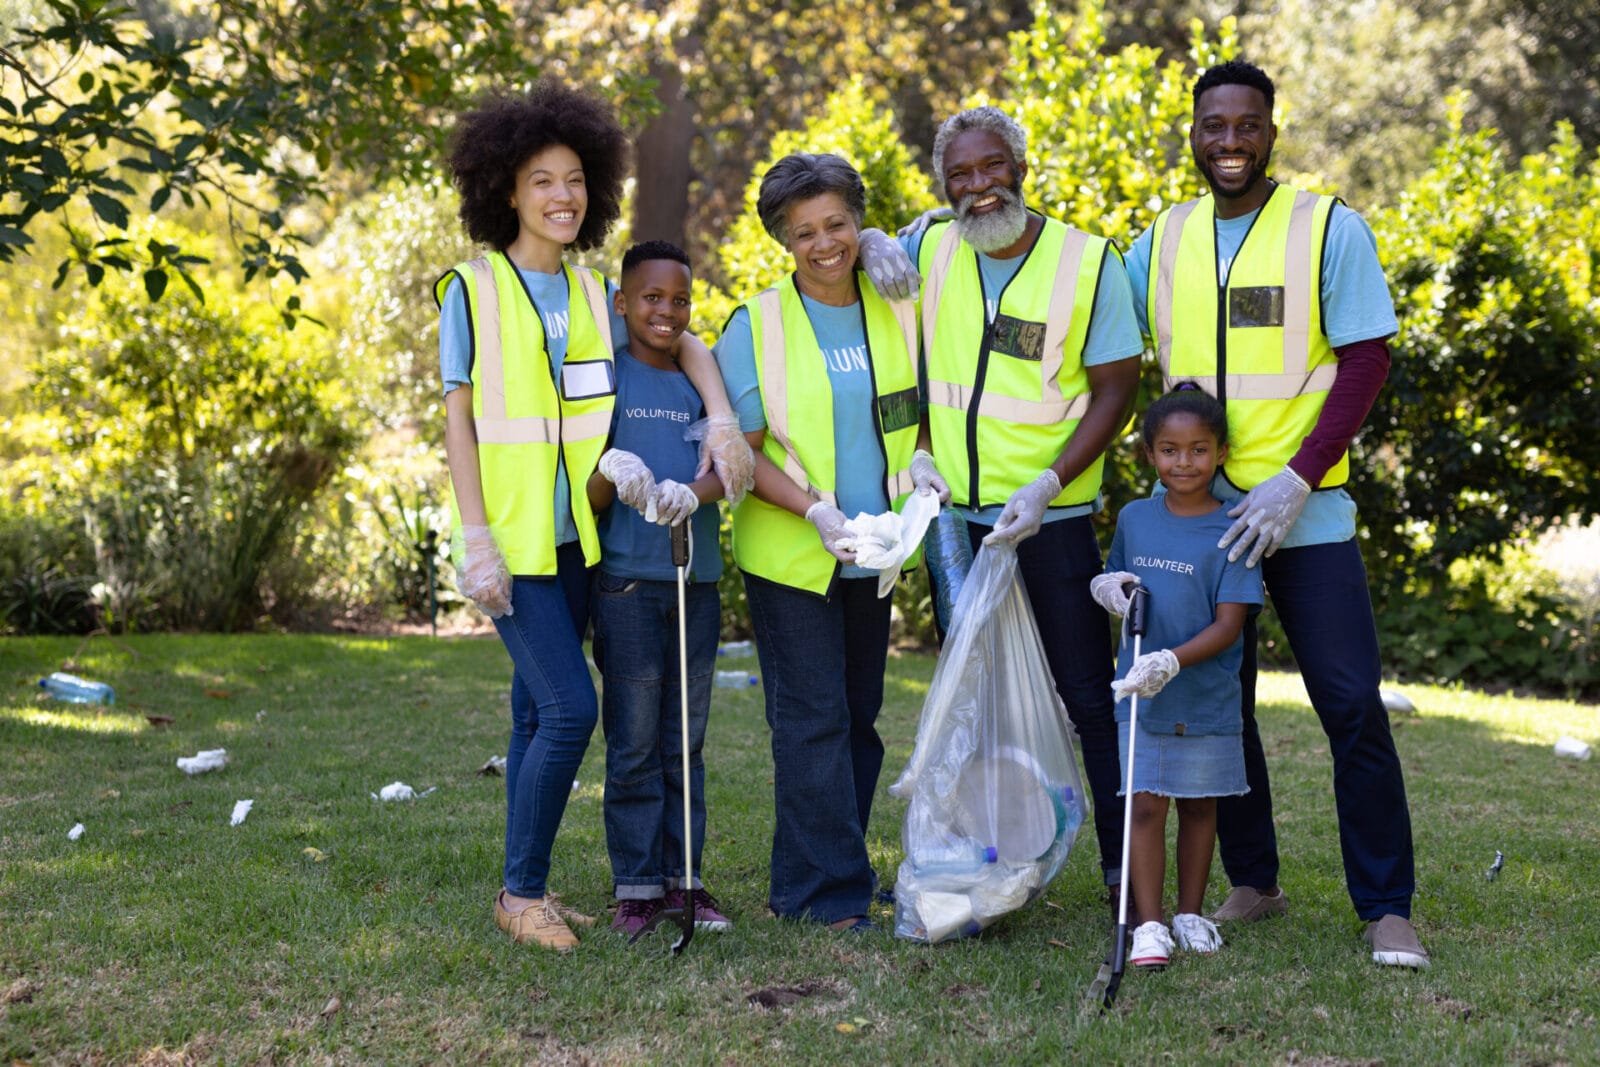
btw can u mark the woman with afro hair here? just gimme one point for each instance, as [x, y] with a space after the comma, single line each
[525, 343]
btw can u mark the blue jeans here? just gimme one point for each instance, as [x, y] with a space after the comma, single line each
[822, 673]
[1320, 595]
[553, 712]
[1056, 564]
[636, 649]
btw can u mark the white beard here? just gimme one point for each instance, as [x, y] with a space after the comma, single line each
[996, 230]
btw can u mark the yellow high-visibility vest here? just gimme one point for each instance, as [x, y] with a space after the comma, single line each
[1254, 340]
[525, 422]
[797, 399]
[1005, 397]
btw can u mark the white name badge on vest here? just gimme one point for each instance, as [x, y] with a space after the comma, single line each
[587, 379]
[1255, 305]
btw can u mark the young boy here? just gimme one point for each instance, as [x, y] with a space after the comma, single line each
[635, 601]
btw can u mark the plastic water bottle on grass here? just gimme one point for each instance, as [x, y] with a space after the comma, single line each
[735, 680]
[75, 690]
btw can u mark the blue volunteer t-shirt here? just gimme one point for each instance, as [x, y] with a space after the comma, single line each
[1356, 306]
[1113, 335]
[1177, 559]
[841, 333]
[654, 407]
[550, 297]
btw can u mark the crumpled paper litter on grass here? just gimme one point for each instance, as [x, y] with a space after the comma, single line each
[401, 791]
[209, 760]
[76, 831]
[240, 810]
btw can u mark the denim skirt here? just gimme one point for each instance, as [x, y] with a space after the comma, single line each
[1183, 765]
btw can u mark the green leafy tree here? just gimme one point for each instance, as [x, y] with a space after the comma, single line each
[110, 113]
[1485, 433]
[1107, 133]
[191, 437]
[848, 125]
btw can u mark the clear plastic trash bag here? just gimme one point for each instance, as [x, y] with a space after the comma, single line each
[996, 800]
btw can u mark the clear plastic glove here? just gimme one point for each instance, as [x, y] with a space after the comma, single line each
[925, 475]
[926, 219]
[830, 524]
[633, 479]
[1020, 518]
[888, 267]
[1265, 516]
[724, 449]
[672, 503]
[1149, 675]
[1110, 590]
[481, 574]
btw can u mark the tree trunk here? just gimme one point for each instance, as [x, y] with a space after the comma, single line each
[661, 197]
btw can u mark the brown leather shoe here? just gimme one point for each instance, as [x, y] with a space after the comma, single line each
[538, 923]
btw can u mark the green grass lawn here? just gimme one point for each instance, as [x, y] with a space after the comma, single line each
[166, 935]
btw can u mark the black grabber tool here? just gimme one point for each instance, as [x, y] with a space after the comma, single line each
[1110, 976]
[683, 917]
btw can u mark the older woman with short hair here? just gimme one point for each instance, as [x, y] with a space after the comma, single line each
[822, 375]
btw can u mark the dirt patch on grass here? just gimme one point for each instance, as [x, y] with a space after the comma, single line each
[20, 992]
[786, 996]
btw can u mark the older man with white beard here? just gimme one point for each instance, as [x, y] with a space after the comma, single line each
[1031, 359]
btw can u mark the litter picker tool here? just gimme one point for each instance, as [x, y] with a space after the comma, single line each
[683, 917]
[1110, 976]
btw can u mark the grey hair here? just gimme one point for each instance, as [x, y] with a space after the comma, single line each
[988, 118]
[801, 176]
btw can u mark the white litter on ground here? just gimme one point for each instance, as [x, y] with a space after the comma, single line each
[240, 810]
[76, 832]
[209, 760]
[401, 791]
[1572, 748]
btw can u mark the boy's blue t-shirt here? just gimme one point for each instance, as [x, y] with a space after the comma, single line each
[1356, 306]
[654, 407]
[551, 298]
[842, 336]
[1113, 335]
[1177, 559]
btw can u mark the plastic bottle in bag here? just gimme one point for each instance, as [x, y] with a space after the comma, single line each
[948, 552]
[75, 690]
[966, 859]
[735, 680]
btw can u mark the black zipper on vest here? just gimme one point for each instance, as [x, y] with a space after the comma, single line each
[973, 500]
[1222, 291]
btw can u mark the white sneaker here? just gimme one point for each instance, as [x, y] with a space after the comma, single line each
[1196, 934]
[1152, 945]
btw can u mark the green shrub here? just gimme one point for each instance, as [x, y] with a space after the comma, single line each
[46, 574]
[190, 438]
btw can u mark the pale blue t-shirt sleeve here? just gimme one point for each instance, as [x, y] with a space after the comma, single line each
[1113, 328]
[735, 352]
[1138, 264]
[1240, 584]
[1356, 305]
[455, 351]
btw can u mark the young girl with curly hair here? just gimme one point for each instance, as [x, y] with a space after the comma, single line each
[526, 342]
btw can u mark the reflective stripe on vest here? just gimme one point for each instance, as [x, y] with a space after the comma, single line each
[523, 424]
[1274, 376]
[771, 542]
[990, 410]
